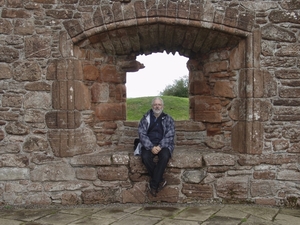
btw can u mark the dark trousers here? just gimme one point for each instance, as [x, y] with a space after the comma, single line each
[155, 169]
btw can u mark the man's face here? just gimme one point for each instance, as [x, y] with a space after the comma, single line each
[157, 106]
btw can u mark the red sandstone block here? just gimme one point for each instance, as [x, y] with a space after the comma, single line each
[201, 191]
[184, 9]
[231, 17]
[87, 20]
[250, 53]
[189, 126]
[74, 70]
[182, 160]
[136, 165]
[2, 135]
[217, 66]
[136, 194]
[86, 173]
[256, 48]
[62, 119]
[171, 9]
[258, 84]
[73, 27]
[295, 148]
[254, 133]
[152, 12]
[98, 17]
[161, 9]
[237, 56]
[15, 13]
[90, 72]
[264, 175]
[65, 70]
[292, 175]
[224, 89]
[82, 96]
[61, 68]
[168, 194]
[104, 195]
[140, 9]
[91, 160]
[119, 173]
[111, 111]
[55, 95]
[63, 95]
[246, 21]
[264, 188]
[190, 38]
[120, 92]
[206, 109]
[246, 83]
[214, 129]
[109, 73]
[51, 70]
[128, 12]
[117, 11]
[218, 159]
[219, 17]
[265, 201]
[70, 199]
[247, 137]
[70, 95]
[232, 187]
[74, 119]
[100, 92]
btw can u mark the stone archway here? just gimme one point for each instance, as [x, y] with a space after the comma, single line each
[63, 76]
[223, 64]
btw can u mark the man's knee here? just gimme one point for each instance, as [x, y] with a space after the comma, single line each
[146, 155]
[165, 154]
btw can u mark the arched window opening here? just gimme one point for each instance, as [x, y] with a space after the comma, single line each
[161, 70]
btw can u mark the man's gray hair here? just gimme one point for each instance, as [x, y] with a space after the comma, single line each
[158, 98]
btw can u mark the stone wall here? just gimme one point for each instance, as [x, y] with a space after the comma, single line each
[64, 138]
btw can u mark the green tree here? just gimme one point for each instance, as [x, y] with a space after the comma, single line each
[179, 88]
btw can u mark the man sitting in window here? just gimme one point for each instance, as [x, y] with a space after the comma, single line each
[156, 133]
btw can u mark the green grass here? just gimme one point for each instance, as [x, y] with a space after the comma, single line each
[177, 107]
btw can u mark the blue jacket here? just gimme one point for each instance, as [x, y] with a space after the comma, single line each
[168, 135]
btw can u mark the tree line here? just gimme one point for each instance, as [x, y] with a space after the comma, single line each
[179, 88]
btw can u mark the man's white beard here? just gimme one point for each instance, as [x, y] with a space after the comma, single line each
[157, 111]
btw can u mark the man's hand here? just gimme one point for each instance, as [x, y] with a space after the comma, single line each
[155, 150]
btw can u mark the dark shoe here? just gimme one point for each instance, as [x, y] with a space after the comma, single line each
[152, 190]
[161, 185]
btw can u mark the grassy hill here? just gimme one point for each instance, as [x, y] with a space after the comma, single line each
[177, 107]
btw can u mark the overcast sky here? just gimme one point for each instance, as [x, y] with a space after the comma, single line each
[160, 70]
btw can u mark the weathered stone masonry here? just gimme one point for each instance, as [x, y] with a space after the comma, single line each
[64, 135]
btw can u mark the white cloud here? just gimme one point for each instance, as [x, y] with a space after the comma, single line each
[160, 70]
